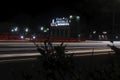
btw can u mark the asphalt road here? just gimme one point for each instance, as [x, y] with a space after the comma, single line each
[15, 51]
[15, 57]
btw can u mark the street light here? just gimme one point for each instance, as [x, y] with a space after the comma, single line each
[12, 30]
[78, 17]
[42, 28]
[26, 30]
[22, 37]
[34, 37]
[116, 37]
[94, 32]
[104, 32]
[45, 31]
[71, 17]
[16, 29]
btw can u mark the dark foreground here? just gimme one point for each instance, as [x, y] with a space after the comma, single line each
[102, 67]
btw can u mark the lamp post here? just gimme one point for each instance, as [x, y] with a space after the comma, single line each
[26, 30]
[94, 35]
[42, 28]
[44, 31]
[15, 30]
[75, 25]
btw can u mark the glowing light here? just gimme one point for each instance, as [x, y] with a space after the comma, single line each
[71, 17]
[60, 22]
[12, 30]
[102, 36]
[116, 37]
[53, 21]
[41, 28]
[94, 32]
[34, 37]
[104, 32]
[77, 17]
[45, 30]
[79, 35]
[22, 37]
[16, 29]
[26, 30]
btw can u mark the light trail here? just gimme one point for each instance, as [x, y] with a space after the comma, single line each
[16, 49]
[16, 60]
[19, 55]
[67, 52]
[9, 49]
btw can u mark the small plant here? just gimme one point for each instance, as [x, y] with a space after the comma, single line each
[56, 63]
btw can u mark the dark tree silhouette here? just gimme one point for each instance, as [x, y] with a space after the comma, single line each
[115, 49]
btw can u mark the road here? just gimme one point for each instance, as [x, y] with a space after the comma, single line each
[14, 51]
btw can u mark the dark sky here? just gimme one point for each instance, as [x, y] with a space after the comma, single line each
[10, 10]
[95, 11]
[45, 8]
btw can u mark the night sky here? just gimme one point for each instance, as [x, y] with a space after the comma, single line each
[46, 8]
[92, 12]
[84, 7]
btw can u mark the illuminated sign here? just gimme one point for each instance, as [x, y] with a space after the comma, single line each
[60, 22]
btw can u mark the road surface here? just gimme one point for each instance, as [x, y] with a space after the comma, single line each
[27, 51]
